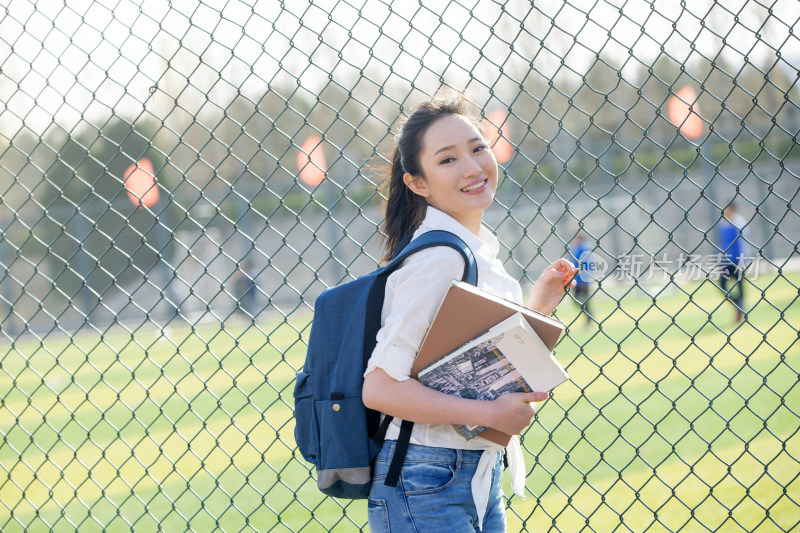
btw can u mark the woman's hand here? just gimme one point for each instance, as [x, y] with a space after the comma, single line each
[551, 286]
[411, 400]
[513, 412]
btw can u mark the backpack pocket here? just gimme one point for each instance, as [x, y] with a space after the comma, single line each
[305, 421]
[344, 424]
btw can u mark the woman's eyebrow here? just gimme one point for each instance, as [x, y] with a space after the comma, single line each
[451, 146]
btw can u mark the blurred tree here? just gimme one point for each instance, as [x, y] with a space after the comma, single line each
[96, 237]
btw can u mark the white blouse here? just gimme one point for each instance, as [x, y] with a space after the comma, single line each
[413, 294]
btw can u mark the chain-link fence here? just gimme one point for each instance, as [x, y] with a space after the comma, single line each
[180, 180]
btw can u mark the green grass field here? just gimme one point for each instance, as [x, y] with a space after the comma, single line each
[675, 419]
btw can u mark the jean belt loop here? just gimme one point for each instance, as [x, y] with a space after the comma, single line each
[459, 459]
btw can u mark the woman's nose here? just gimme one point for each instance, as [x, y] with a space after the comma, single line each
[472, 166]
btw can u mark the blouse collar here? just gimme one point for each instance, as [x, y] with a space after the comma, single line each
[485, 242]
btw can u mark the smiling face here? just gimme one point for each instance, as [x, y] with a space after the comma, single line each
[459, 171]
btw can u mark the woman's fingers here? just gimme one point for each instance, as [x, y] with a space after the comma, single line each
[563, 265]
[551, 286]
[566, 278]
[535, 396]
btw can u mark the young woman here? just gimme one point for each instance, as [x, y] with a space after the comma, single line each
[443, 176]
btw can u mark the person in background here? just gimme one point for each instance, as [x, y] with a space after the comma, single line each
[732, 242]
[580, 248]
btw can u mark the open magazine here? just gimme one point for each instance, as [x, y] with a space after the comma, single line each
[509, 357]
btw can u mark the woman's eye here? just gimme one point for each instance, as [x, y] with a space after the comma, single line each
[447, 160]
[479, 148]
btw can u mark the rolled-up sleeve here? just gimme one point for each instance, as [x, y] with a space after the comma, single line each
[413, 294]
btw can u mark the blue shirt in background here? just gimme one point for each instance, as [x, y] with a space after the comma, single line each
[578, 253]
[730, 241]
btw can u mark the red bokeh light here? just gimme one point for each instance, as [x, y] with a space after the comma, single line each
[140, 182]
[496, 125]
[311, 161]
[688, 120]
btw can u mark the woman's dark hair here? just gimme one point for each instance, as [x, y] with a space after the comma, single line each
[405, 209]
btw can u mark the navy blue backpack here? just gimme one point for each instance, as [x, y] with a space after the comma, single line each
[333, 428]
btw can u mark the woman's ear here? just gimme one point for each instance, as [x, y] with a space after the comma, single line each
[417, 185]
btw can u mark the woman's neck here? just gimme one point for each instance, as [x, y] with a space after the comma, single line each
[471, 221]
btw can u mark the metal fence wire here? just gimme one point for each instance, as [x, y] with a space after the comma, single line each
[180, 180]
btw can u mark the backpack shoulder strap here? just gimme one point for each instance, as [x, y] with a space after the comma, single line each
[437, 238]
[402, 244]
[399, 455]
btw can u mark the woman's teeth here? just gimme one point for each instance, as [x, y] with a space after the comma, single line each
[473, 187]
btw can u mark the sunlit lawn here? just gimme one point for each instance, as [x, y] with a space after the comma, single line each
[675, 418]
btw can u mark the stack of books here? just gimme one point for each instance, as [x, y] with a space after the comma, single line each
[480, 346]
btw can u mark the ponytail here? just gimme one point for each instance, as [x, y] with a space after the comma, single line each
[404, 209]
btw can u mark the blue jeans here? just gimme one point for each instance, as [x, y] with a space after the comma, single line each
[434, 493]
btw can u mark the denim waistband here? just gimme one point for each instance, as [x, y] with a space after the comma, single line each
[419, 453]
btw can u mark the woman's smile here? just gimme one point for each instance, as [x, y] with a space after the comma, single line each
[476, 187]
